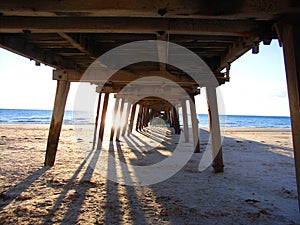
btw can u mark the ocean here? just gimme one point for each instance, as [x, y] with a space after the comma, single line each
[26, 116]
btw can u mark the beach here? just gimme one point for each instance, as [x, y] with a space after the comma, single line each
[257, 187]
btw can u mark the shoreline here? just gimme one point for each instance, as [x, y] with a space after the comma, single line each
[201, 127]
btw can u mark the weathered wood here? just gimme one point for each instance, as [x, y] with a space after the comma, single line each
[132, 115]
[236, 50]
[103, 119]
[175, 119]
[141, 121]
[96, 120]
[215, 133]
[75, 44]
[62, 91]
[120, 76]
[113, 124]
[120, 119]
[194, 8]
[167, 112]
[146, 117]
[21, 46]
[162, 50]
[195, 127]
[126, 118]
[15, 24]
[185, 121]
[139, 118]
[290, 35]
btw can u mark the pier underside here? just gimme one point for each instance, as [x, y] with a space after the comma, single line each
[71, 35]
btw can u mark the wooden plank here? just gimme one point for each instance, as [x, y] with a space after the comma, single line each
[121, 112]
[112, 131]
[19, 45]
[132, 115]
[215, 133]
[62, 91]
[245, 9]
[127, 25]
[185, 121]
[290, 36]
[96, 121]
[126, 118]
[103, 118]
[77, 45]
[195, 127]
[237, 49]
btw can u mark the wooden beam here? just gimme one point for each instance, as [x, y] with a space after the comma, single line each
[290, 35]
[146, 117]
[195, 124]
[230, 9]
[126, 118]
[139, 118]
[236, 50]
[185, 121]
[215, 133]
[121, 112]
[19, 45]
[177, 124]
[121, 76]
[162, 49]
[83, 41]
[112, 131]
[132, 115]
[103, 119]
[96, 120]
[12, 24]
[148, 90]
[62, 91]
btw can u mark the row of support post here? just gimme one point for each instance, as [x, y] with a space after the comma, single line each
[289, 35]
[145, 114]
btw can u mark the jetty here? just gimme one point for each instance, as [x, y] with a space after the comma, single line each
[70, 36]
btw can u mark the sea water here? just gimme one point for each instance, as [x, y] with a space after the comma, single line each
[28, 116]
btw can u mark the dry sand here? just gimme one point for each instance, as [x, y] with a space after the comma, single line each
[257, 187]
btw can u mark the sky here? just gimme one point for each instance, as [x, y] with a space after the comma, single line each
[257, 85]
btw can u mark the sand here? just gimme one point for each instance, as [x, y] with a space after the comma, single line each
[257, 187]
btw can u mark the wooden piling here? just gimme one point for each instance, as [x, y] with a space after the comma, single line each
[139, 118]
[146, 117]
[61, 95]
[185, 121]
[195, 127]
[120, 119]
[103, 118]
[168, 117]
[112, 131]
[96, 120]
[290, 35]
[172, 118]
[126, 119]
[178, 130]
[215, 133]
[132, 115]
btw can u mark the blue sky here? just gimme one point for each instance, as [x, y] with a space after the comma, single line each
[257, 85]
